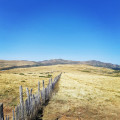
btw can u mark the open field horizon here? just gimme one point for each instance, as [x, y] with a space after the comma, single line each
[83, 92]
[11, 64]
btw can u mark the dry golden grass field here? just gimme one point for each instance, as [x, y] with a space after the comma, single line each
[83, 92]
[10, 80]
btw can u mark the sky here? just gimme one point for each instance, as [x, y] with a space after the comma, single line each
[60, 29]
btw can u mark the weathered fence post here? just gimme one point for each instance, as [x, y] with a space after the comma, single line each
[39, 90]
[17, 113]
[51, 80]
[1, 112]
[38, 93]
[29, 109]
[31, 92]
[6, 118]
[43, 93]
[43, 84]
[21, 103]
[38, 87]
[28, 102]
[13, 115]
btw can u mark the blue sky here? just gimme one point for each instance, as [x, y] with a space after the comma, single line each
[68, 29]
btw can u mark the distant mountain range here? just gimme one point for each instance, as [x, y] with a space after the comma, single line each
[5, 64]
[92, 63]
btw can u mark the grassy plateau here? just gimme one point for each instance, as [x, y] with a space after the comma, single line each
[83, 92]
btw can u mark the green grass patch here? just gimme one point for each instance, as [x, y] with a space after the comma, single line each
[117, 75]
[47, 73]
[48, 76]
[116, 71]
[85, 71]
[42, 76]
[21, 74]
[30, 73]
[13, 104]
[23, 81]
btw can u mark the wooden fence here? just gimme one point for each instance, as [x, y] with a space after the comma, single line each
[28, 109]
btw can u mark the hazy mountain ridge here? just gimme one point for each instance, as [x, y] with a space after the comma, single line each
[11, 63]
[91, 62]
[5, 64]
[102, 64]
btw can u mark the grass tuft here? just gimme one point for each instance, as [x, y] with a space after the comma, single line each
[21, 74]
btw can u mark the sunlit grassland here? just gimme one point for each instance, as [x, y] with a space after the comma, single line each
[83, 91]
[10, 80]
[87, 93]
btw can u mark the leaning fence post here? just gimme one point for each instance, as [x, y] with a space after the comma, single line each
[27, 91]
[13, 115]
[1, 112]
[38, 87]
[6, 117]
[43, 93]
[16, 113]
[43, 84]
[28, 105]
[38, 92]
[30, 92]
[21, 103]
[51, 80]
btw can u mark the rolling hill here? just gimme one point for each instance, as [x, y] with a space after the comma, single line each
[92, 63]
[14, 63]
[5, 64]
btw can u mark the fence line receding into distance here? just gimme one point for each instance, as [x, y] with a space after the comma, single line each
[28, 109]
